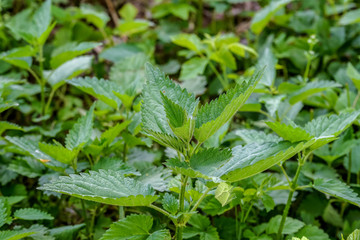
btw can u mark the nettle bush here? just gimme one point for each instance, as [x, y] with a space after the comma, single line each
[208, 180]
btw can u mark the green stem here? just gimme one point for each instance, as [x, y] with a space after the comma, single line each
[160, 210]
[356, 100]
[85, 218]
[49, 100]
[121, 212]
[41, 66]
[218, 75]
[307, 69]
[293, 186]
[180, 224]
[200, 200]
[349, 168]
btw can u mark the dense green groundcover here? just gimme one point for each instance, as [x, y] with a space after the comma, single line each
[179, 119]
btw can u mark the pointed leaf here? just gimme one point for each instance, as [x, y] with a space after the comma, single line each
[69, 69]
[4, 213]
[311, 88]
[15, 234]
[80, 134]
[332, 125]
[289, 133]
[215, 114]
[108, 187]
[251, 136]
[99, 88]
[255, 158]
[69, 51]
[32, 148]
[58, 152]
[337, 188]
[32, 214]
[291, 225]
[170, 203]
[153, 115]
[131, 227]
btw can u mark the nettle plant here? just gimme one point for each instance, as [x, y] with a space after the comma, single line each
[175, 119]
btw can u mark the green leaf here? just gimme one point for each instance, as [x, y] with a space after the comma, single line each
[240, 49]
[174, 112]
[135, 227]
[33, 28]
[128, 12]
[80, 133]
[58, 152]
[170, 203]
[32, 148]
[69, 51]
[192, 68]
[208, 161]
[291, 225]
[189, 41]
[338, 189]
[355, 235]
[32, 214]
[289, 133]
[166, 140]
[4, 105]
[200, 225]
[109, 187]
[69, 69]
[99, 88]
[332, 125]
[268, 59]
[350, 17]
[311, 88]
[129, 74]
[65, 232]
[223, 193]
[215, 114]
[254, 136]
[153, 114]
[354, 75]
[263, 17]
[15, 234]
[4, 213]
[313, 233]
[255, 158]
[9, 126]
[93, 15]
[19, 57]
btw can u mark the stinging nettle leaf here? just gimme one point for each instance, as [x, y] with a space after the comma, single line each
[135, 227]
[58, 152]
[32, 214]
[254, 158]
[215, 114]
[110, 187]
[80, 134]
[338, 189]
[153, 113]
[99, 88]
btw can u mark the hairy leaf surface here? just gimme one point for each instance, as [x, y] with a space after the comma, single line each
[213, 115]
[337, 188]
[108, 187]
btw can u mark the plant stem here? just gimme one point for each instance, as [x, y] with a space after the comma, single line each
[200, 199]
[222, 80]
[293, 186]
[85, 218]
[49, 100]
[349, 168]
[356, 99]
[180, 224]
[121, 212]
[42, 84]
